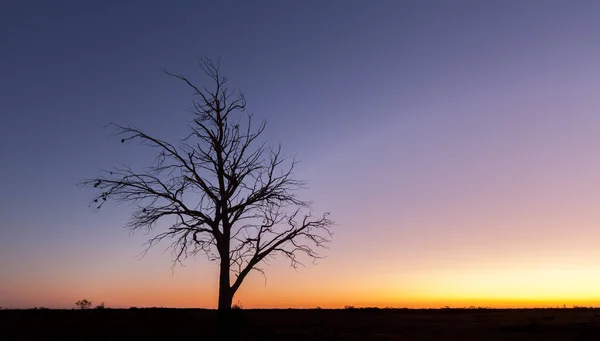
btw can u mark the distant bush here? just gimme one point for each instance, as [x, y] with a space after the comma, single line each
[237, 306]
[349, 307]
[101, 306]
[83, 304]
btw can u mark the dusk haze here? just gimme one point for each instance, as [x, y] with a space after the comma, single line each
[456, 145]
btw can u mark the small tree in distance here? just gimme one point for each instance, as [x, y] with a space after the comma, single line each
[83, 304]
[219, 191]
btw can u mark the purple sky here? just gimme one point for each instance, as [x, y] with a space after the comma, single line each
[454, 142]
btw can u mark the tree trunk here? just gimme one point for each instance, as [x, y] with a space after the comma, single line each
[224, 327]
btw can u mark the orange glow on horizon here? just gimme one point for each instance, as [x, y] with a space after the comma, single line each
[455, 295]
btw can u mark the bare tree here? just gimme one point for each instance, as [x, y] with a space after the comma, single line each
[83, 304]
[220, 191]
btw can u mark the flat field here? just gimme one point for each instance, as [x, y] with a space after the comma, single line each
[309, 324]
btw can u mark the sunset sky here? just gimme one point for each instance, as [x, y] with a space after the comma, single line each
[455, 143]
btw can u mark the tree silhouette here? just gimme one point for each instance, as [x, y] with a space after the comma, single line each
[83, 304]
[220, 192]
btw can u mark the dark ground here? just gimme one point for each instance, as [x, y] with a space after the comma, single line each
[315, 324]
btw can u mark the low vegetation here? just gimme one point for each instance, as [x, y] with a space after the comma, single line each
[352, 323]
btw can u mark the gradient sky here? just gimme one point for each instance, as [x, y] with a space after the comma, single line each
[456, 143]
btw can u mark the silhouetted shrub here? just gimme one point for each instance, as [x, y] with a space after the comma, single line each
[237, 306]
[83, 304]
[101, 306]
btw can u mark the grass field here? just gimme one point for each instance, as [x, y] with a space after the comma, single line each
[310, 324]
